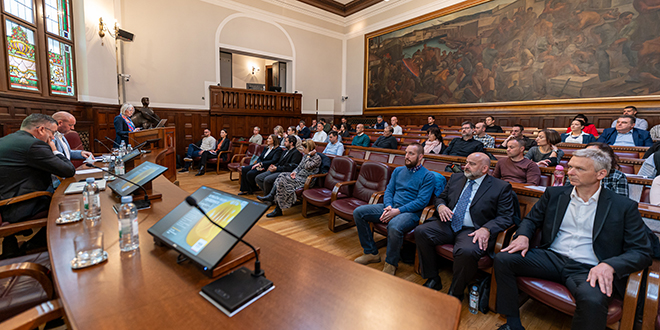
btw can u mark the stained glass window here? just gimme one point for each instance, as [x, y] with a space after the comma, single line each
[22, 58]
[20, 8]
[58, 17]
[60, 62]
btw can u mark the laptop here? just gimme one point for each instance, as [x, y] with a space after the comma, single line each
[161, 123]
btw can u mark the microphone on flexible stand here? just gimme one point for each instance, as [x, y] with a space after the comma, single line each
[113, 141]
[258, 272]
[139, 204]
[139, 145]
[101, 143]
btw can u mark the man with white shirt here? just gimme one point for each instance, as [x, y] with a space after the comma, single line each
[320, 135]
[65, 123]
[208, 144]
[639, 122]
[591, 240]
[398, 130]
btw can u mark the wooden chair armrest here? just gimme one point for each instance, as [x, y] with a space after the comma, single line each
[14, 228]
[426, 213]
[375, 197]
[338, 186]
[35, 316]
[235, 156]
[630, 300]
[504, 238]
[652, 292]
[309, 179]
[25, 197]
[40, 273]
[224, 152]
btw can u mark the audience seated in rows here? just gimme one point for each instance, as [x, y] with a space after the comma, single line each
[546, 153]
[326, 127]
[334, 146]
[292, 131]
[615, 180]
[386, 141]
[398, 130]
[481, 136]
[320, 135]
[407, 194]
[491, 127]
[515, 167]
[344, 121]
[335, 129]
[589, 128]
[639, 122]
[194, 150]
[313, 126]
[466, 144]
[430, 124]
[577, 133]
[625, 134]
[279, 131]
[517, 133]
[380, 123]
[303, 131]
[223, 145]
[344, 131]
[434, 144]
[472, 210]
[270, 155]
[287, 162]
[256, 136]
[283, 194]
[591, 239]
[361, 139]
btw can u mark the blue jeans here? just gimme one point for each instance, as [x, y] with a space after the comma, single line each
[193, 151]
[396, 229]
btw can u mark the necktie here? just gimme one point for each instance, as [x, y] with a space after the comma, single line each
[461, 208]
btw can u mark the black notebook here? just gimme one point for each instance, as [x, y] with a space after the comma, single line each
[236, 290]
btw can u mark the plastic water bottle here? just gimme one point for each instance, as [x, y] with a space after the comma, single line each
[129, 148]
[558, 176]
[111, 169]
[119, 167]
[91, 201]
[474, 300]
[129, 239]
[122, 149]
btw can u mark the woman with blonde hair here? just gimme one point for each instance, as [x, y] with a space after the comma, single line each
[124, 124]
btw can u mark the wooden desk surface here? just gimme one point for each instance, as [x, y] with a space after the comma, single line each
[147, 289]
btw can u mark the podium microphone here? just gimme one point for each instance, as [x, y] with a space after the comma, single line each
[258, 272]
[139, 204]
[104, 146]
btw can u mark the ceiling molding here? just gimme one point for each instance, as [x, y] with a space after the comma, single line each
[340, 9]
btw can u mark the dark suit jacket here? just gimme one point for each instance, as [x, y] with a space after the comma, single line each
[491, 207]
[619, 235]
[641, 138]
[272, 157]
[121, 131]
[388, 142]
[305, 133]
[289, 161]
[26, 165]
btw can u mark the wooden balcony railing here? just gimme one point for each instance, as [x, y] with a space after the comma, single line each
[245, 101]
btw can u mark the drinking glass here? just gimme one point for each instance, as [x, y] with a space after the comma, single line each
[89, 248]
[70, 210]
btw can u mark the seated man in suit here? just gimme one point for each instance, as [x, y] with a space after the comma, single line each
[288, 161]
[407, 194]
[303, 131]
[65, 123]
[591, 240]
[386, 141]
[472, 210]
[466, 144]
[269, 156]
[28, 158]
[625, 134]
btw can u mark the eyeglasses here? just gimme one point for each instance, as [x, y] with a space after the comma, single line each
[50, 130]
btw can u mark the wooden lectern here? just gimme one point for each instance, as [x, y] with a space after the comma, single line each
[162, 139]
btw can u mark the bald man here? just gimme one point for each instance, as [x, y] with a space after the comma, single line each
[470, 212]
[66, 123]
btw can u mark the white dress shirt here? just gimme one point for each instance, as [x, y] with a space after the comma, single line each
[467, 221]
[575, 237]
[397, 130]
[65, 149]
[320, 136]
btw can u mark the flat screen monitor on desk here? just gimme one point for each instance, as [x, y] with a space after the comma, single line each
[161, 123]
[189, 232]
[141, 175]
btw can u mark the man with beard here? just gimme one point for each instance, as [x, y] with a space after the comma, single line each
[466, 144]
[472, 210]
[407, 193]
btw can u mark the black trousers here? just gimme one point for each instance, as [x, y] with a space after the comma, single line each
[591, 304]
[435, 232]
[248, 176]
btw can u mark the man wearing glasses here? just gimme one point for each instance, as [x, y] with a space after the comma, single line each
[466, 144]
[28, 158]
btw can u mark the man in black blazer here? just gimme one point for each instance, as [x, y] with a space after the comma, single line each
[28, 158]
[303, 131]
[591, 240]
[471, 211]
[270, 155]
[287, 162]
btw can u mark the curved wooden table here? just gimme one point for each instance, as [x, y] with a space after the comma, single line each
[147, 289]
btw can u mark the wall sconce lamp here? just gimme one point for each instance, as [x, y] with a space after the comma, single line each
[255, 69]
[103, 28]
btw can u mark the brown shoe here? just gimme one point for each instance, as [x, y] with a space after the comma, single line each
[389, 269]
[366, 259]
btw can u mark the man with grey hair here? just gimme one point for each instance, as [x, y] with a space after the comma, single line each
[591, 240]
[472, 210]
[256, 137]
[28, 158]
[66, 123]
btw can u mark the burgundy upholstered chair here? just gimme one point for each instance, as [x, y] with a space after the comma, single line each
[379, 157]
[651, 318]
[240, 160]
[359, 154]
[219, 161]
[558, 297]
[76, 144]
[369, 185]
[342, 169]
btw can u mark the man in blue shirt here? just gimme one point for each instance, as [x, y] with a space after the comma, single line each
[625, 134]
[407, 194]
[334, 147]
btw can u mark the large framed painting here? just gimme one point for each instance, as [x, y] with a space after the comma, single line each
[502, 52]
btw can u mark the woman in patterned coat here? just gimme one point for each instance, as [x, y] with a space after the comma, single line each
[284, 188]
